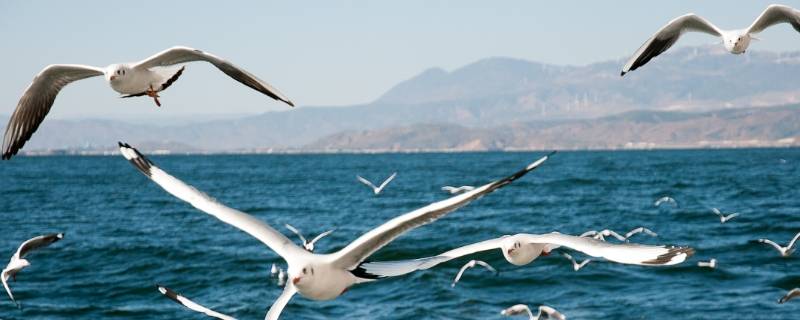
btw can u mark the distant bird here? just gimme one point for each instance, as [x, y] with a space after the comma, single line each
[735, 41]
[274, 270]
[785, 251]
[575, 265]
[147, 77]
[178, 298]
[472, 264]
[545, 312]
[281, 278]
[18, 261]
[710, 264]
[790, 295]
[308, 245]
[639, 230]
[457, 190]
[722, 217]
[600, 235]
[375, 189]
[668, 200]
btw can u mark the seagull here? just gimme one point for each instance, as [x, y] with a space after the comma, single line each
[457, 190]
[317, 276]
[710, 264]
[472, 264]
[521, 249]
[18, 261]
[791, 294]
[735, 41]
[274, 270]
[575, 265]
[547, 312]
[147, 77]
[639, 230]
[308, 245]
[375, 189]
[600, 235]
[785, 251]
[178, 298]
[724, 218]
[666, 200]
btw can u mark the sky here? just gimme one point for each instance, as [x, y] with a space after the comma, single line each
[325, 53]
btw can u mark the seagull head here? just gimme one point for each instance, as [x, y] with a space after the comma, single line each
[116, 72]
[736, 42]
[520, 253]
[303, 276]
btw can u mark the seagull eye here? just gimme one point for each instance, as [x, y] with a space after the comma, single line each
[123, 72]
[304, 270]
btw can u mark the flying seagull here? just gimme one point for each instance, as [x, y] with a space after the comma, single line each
[546, 311]
[575, 265]
[521, 249]
[640, 230]
[735, 41]
[601, 235]
[178, 298]
[457, 190]
[472, 264]
[784, 251]
[147, 77]
[712, 264]
[317, 276]
[722, 217]
[308, 245]
[18, 261]
[790, 295]
[665, 200]
[375, 189]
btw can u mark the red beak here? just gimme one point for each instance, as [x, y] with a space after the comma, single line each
[112, 78]
[295, 280]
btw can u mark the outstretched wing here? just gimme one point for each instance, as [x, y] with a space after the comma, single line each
[351, 256]
[665, 37]
[297, 232]
[4, 278]
[367, 182]
[245, 222]
[321, 235]
[176, 55]
[389, 179]
[37, 100]
[773, 244]
[277, 307]
[794, 240]
[37, 242]
[178, 298]
[627, 253]
[775, 14]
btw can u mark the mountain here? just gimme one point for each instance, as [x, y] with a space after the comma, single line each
[486, 95]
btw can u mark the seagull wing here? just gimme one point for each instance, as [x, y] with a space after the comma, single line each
[354, 253]
[176, 55]
[321, 235]
[367, 182]
[716, 211]
[589, 233]
[775, 14]
[616, 235]
[461, 272]
[794, 240]
[450, 189]
[773, 244]
[178, 298]
[665, 37]
[36, 243]
[277, 307]
[486, 265]
[245, 222]
[297, 232]
[627, 253]
[389, 179]
[37, 100]
[4, 278]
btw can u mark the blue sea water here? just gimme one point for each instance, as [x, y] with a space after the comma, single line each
[124, 234]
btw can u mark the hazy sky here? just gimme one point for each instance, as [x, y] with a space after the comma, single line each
[325, 52]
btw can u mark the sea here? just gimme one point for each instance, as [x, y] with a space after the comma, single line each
[124, 234]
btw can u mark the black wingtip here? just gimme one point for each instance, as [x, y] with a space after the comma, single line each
[622, 74]
[291, 104]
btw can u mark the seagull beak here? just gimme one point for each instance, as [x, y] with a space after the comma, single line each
[510, 251]
[112, 78]
[295, 280]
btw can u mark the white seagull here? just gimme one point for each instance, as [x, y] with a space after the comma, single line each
[308, 245]
[18, 261]
[791, 294]
[640, 230]
[178, 298]
[457, 190]
[146, 77]
[722, 217]
[601, 235]
[735, 41]
[665, 200]
[522, 249]
[712, 264]
[317, 276]
[377, 190]
[575, 265]
[785, 251]
[472, 264]
[546, 311]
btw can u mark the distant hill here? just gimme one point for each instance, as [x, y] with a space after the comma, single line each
[489, 94]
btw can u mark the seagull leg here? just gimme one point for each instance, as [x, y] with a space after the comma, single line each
[153, 94]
